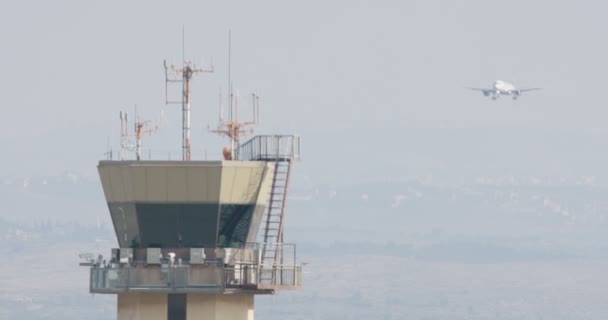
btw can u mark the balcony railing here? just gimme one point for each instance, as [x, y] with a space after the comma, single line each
[193, 279]
[270, 148]
[157, 279]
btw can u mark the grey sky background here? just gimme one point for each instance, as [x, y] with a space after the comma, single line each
[489, 208]
[321, 68]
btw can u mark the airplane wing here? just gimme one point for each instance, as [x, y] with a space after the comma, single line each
[486, 92]
[529, 89]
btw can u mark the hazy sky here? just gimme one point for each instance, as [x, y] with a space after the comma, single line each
[69, 67]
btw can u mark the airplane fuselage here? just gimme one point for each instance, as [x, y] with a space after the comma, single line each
[502, 87]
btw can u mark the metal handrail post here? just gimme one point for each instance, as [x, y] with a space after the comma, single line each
[127, 284]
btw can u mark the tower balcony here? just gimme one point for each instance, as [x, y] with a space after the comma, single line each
[196, 270]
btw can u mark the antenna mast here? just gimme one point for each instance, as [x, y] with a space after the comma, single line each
[140, 131]
[232, 128]
[125, 143]
[186, 72]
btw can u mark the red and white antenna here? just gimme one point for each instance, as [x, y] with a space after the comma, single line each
[186, 72]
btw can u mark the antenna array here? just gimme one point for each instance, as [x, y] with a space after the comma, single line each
[139, 131]
[184, 75]
[232, 128]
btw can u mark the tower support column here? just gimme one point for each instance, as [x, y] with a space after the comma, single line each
[142, 306]
[146, 306]
[220, 307]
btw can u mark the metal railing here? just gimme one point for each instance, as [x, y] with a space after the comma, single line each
[158, 154]
[281, 277]
[237, 268]
[270, 148]
[194, 279]
[258, 148]
[172, 279]
[250, 276]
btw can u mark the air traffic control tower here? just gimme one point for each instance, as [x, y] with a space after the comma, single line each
[198, 239]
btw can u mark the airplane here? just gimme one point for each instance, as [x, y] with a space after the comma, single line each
[503, 87]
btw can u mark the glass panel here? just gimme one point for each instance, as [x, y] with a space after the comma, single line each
[198, 225]
[234, 224]
[125, 224]
[177, 225]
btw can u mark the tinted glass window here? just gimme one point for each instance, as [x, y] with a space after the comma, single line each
[177, 225]
[235, 220]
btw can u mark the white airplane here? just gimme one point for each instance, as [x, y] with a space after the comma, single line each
[503, 87]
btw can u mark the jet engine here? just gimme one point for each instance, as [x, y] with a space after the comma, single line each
[516, 94]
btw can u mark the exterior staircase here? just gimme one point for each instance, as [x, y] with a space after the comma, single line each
[282, 150]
